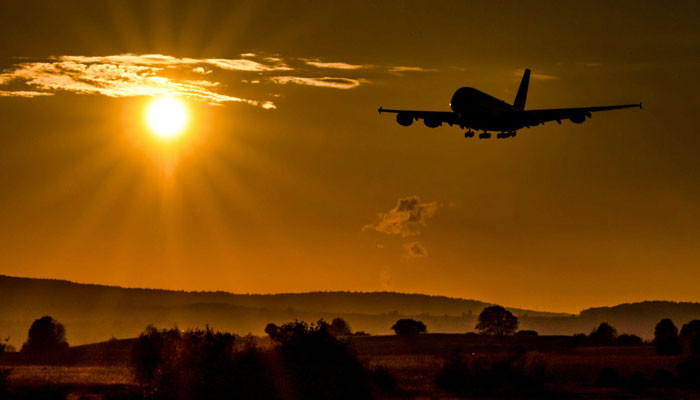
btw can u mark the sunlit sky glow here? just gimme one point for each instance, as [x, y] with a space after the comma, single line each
[284, 177]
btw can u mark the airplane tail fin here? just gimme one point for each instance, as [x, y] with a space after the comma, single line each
[520, 98]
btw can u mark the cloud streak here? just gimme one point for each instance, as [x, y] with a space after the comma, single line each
[334, 65]
[327, 82]
[415, 250]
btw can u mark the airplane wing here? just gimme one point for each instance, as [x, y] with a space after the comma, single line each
[577, 115]
[434, 117]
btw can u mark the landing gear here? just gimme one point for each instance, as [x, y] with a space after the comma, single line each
[485, 135]
[505, 135]
[469, 134]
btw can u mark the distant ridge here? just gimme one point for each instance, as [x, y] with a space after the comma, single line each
[93, 313]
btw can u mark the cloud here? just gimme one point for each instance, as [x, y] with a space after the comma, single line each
[334, 65]
[401, 68]
[22, 93]
[128, 75]
[415, 250]
[405, 218]
[539, 77]
[328, 82]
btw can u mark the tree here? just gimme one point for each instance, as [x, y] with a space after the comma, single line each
[409, 327]
[496, 320]
[46, 336]
[339, 327]
[603, 334]
[690, 329]
[666, 338]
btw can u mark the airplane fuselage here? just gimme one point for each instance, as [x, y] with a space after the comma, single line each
[480, 111]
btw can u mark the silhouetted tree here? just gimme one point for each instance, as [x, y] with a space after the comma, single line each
[409, 327]
[666, 338]
[496, 320]
[340, 327]
[690, 329]
[603, 334]
[46, 336]
[694, 345]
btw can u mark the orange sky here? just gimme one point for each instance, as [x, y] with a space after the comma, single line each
[286, 179]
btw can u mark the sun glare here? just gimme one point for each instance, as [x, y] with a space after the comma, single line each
[166, 117]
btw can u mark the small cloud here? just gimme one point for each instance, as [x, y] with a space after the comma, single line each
[23, 93]
[329, 82]
[248, 55]
[244, 65]
[415, 250]
[268, 105]
[539, 77]
[403, 68]
[334, 65]
[201, 70]
[385, 279]
[405, 218]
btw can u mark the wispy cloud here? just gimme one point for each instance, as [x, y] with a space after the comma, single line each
[334, 65]
[415, 250]
[328, 82]
[127, 75]
[535, 76]
[405, 218]
[403, 68]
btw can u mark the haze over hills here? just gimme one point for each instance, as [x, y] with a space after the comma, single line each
[93, 313]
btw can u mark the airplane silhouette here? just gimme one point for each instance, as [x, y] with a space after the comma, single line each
[473, 109]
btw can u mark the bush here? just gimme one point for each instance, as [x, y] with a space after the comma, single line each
[609, 378]
[689, 372]
[409, 327]
[383, 380]
[527, 334]
[339, 327]
[690, 329]
[478, 375]
[319, 365]
[200, 364]
[629, 340]
[4, 372]
[663, 378]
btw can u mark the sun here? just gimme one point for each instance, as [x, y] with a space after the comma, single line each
[166, 116]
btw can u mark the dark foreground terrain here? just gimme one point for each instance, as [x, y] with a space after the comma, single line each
[555, 365]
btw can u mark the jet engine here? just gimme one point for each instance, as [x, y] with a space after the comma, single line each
[579, 118]
[404, 119]
[432, 123]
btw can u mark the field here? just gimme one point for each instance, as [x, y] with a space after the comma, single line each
[568, 371]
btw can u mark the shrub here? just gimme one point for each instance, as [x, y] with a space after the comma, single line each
[479, 375]
[4, 372]
[629, 340]
[663, 378]
[689, 372]
[383, 380]
[319, 365]
[608, 378]
[526, 334]
[199, 364]
[409, 327]
[339, 327]
[690, 329]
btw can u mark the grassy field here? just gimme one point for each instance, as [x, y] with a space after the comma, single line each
[568, 371]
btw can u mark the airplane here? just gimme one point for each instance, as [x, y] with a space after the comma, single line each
[474, 109]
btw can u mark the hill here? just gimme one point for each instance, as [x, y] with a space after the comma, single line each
[93, 313]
